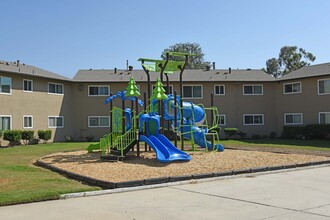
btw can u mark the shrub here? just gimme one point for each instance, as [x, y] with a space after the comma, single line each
[27, 136]
[255, 136]
[68, 138]
[317, 131]
[293, 131]
[45, 135]
[242, 134]
[272, 135]
[41, 134]
[312, 131]
[90, 138]
[13, 136]
[230, 131]
[0, 137]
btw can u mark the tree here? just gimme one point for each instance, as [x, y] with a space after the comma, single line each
[290, 59]
[273, 67]
[195, 62]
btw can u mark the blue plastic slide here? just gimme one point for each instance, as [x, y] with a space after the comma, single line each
[193, 115]
[165, 150]
[199, 138]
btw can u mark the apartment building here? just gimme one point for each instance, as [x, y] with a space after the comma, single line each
[250, 100]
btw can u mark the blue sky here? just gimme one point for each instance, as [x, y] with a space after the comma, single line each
[63, 36]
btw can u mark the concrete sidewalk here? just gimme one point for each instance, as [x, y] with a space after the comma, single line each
[300, 194]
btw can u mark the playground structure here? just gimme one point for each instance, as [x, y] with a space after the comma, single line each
[186, 120]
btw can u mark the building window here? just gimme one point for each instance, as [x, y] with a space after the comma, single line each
[252, 89]
[219, 90]
[27, 121]
[221, 119]
[5, 122]
[194, 92]
[98, 90]
[293, 118]
[290, 88]
[55, 88]
[324, 117]
[253, 119]
[165, 87]
[55, 122]
[324, 86]
[5, 85]
[98, 121]
[27, 85]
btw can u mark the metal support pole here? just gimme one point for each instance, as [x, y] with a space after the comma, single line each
[181, 99]
[212, 102]
[160, 114]
[167, 84]
[168, 92]
[163, 67]
[145, 108]
[175, 120]
[123, 117]
[148, 82]
[110, 129]
[137, 127]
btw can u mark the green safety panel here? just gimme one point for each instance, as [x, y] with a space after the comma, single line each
[152, 127]
[117, 115]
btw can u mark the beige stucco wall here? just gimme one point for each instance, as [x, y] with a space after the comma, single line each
[308, 102]
[39, 104]
[233, 104]
[85, 106]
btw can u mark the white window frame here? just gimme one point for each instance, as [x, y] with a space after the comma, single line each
[293, 114]
[11, 86]
[320, 116]
[98, 86]
[11, 120]
[24, 116]
[224, 117]
[153, 87]
[28, 80]
[55, 87]
[224, 89]
[55, 116]
[202, 91]
[292, 87]
[262, 89]
[318, 87]
[90, 126]
[263, 119]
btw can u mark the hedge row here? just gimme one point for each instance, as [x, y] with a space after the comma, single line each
[312, 131]
[15, 136]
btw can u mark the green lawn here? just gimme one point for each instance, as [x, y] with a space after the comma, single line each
[21, 181]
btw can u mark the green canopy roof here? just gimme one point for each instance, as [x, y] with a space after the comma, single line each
[180, 54]
[171, 66]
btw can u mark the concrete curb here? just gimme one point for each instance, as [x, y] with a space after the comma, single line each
[167, 181]
[177, 183]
